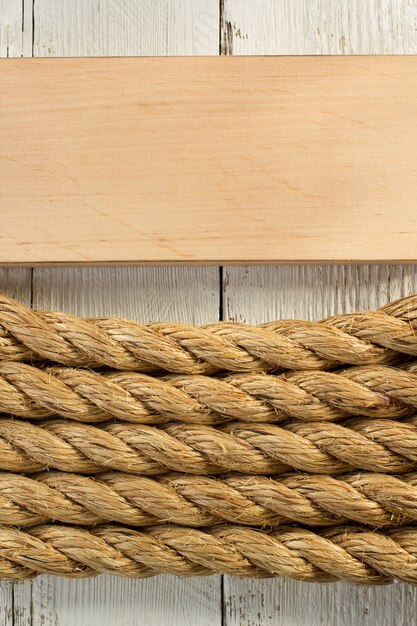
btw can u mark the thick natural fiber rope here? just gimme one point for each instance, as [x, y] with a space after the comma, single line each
[357, 339]
[84, 395]
[354, 554]
[325, 448]
[371, 499]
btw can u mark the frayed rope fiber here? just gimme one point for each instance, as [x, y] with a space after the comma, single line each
[375, 337]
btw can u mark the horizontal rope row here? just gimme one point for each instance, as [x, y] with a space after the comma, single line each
[80, 394]
[357, 339]
[371, 499]
[326, 448]
[354, 554]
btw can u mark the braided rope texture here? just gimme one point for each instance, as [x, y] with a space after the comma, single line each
[373, 390]
[324, 448]
[375, 337]
[355, 554]
[373, 499]
[203, 453]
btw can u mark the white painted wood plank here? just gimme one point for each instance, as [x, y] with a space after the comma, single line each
[111, 27]
[15, 41]
[111, 601]
[125, 28]
[16, 283]
[189, 294]
[272, 603]
[256, 294]
[321, 26]
[15, 28]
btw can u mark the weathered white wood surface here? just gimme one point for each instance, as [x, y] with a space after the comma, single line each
[98, 27]
[255, 294]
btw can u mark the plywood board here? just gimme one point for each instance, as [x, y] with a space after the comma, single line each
[167, 160]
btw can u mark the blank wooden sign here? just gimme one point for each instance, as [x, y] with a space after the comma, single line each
[207, 160]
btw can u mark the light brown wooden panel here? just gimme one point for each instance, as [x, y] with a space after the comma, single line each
[208, 159]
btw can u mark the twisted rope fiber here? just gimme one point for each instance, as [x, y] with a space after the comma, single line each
[351, 553]
[373, 391]
[358, 339]
[371, 499]
[324, 448]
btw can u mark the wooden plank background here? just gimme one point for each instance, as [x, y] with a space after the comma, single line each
[221, 158]
[254, 294]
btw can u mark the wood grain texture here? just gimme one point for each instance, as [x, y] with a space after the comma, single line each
[15, 28]
[125, 28]
[266, 159]
[299, 604]
[320, 27]
[260, 293]
[187, 294]
[101, 28]
[256, 295]
[114, 601]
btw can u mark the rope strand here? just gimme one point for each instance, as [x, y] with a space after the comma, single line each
[358, 339]
[351, 553]
[373, 391]
[383, 446]
[371, 499]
